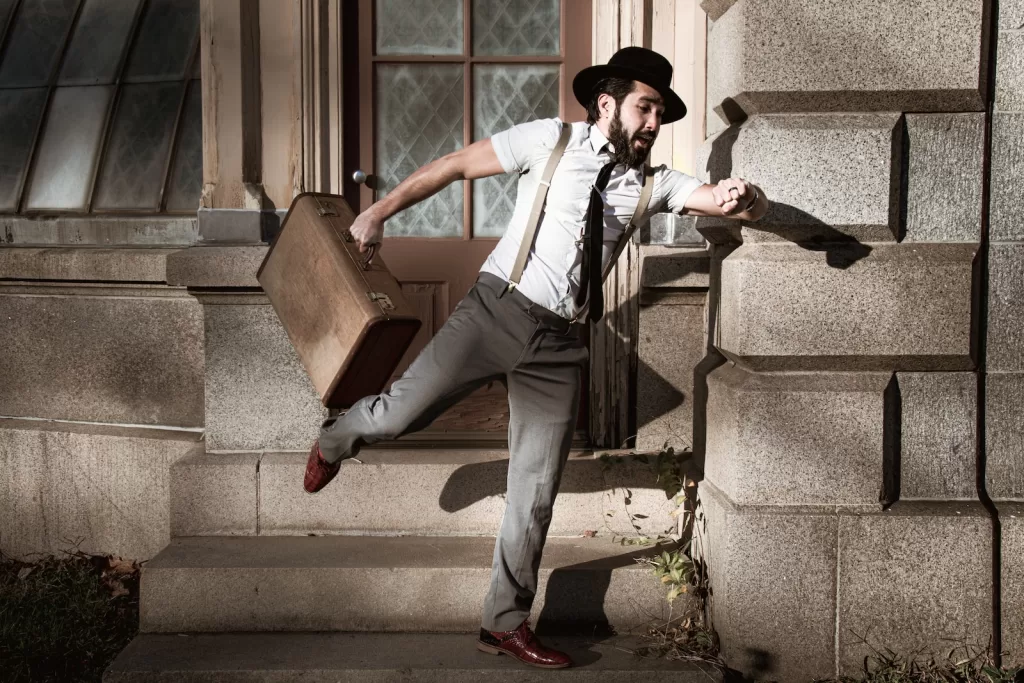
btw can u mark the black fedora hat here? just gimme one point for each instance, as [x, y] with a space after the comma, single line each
[638, 64]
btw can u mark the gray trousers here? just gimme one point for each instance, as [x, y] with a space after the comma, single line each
[540, 356]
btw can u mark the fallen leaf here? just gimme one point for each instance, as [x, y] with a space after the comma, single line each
[589, 533]
[25, 572]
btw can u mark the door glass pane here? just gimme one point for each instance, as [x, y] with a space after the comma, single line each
[419, 27]
[164, 45]
[186, 181]
[135, 162]
[516, 27]
[504, 95]
[98, 42]
[19, 116]
[35, 42]
[419, 118]
[63, 171]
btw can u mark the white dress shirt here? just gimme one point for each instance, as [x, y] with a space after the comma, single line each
[552, 272]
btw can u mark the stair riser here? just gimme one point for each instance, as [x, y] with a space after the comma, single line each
[521, 674]
[384, 600]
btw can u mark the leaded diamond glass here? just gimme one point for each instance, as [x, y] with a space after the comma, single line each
[516, 27]
[35, 42]
[166, 38]
[419, 27]
[186, 182]
[419, 118]
[98, 42]
[66, 154]
[132, 176]
[504, 95]
[19, 116]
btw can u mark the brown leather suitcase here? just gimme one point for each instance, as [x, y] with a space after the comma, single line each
[343, 311]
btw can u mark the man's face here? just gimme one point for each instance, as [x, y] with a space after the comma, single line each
[634, 125]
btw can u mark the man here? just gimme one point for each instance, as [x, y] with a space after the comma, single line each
[527, 335]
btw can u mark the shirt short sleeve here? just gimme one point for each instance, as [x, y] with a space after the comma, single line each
[676, 188]
[518, 145]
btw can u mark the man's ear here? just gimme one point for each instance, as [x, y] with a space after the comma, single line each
[606, 104]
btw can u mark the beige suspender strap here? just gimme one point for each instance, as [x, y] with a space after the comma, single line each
[538, 205]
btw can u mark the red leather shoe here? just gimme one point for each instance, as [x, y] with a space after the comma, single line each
[522, 645]
[319, 472]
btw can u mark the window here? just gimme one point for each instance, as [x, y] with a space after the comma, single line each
[100, 106]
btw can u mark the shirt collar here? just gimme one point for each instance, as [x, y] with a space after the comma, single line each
[598, 140]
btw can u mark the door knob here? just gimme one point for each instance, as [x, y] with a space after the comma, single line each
[359, 177]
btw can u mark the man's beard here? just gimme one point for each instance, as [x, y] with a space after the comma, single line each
[625, 151]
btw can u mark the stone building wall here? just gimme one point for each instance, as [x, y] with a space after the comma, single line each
[842, 450]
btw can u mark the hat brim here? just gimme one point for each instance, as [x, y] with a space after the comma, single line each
[586, 80]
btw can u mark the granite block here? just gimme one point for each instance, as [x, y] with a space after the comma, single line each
[1011, 518]
[98, 230]
[675, 267]
[938, 435]
[216, 266]
[258, 396]
[1010, 72]
[124, 264]
[1005, 336]
[670, 228]
[215, 494]
[102, 489]
[890, 307]
[944, 177]
[915, 579]
[800, 55]
[796, 438]
[1004, 435]
[1005, 220]
[1011, 15]
[118, 354]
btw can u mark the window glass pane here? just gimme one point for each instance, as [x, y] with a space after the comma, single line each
[504, 95]
[166, 38]
[19, 117]
[419, 118]
[516, 27]
[186, 182]
[419, 27]
[67, 151]
[98, 42]
[36, 41]
[135, 163]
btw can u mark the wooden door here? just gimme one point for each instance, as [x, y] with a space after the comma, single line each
[433, 76]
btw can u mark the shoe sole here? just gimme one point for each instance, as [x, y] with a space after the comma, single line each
[491, 650]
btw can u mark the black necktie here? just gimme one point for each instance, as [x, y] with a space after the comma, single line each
[593, 241]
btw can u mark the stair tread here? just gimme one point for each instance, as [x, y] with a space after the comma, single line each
[330, 653]
[429, 552]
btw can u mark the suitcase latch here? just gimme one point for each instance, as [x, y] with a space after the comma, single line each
[383, 299]
[326, 210]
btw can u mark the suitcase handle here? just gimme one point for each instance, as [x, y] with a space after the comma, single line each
[369, 257]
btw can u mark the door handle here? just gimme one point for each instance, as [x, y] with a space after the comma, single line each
[360, 177]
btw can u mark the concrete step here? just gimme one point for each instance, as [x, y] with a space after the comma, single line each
[385, 584]
[411, 491]
[375, 657]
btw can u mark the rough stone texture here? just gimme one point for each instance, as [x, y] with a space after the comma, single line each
[939, 421]
[875, 55]
[671, 343]
[258, 396]
[234, 226]
[1004, 436]
[716, 8]
[670, 228]
[1005, 336]
[675, 267]
[121, 354]
[208, 266]
[1005, 220]
[917, 578]
[944, 177]
[383, 584]
[96, 229]
[379, 657]
[1011, 518]
[215, 494]
[886, 307]
[773, 573]
[795, 438]
[1011, 15]
[126, 264]
[1010, 71]
[802, 161]
[455, 493]
[105, 487]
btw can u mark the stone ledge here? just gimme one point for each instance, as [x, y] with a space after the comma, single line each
[215, 495]
[98, 229]
[221, 266]
[663, 266]
[122, 264]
